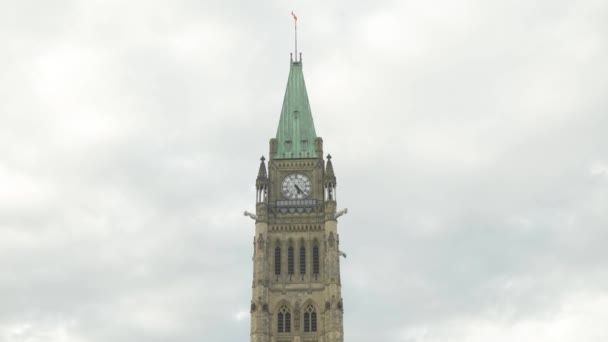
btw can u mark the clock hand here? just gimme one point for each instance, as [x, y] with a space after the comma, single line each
[298, 188]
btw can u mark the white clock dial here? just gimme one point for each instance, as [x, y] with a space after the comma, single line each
[296, 186]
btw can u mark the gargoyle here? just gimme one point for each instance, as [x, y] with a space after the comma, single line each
[340, 213]
[253, 217]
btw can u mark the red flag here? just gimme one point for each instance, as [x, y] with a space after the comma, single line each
[294, 17]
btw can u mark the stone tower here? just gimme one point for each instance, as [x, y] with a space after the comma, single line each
[296, 294]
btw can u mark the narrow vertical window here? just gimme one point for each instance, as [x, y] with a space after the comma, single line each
[315, 260]
[302, 260]
[277, 260]
[290, 261]
[287, 322]
[284, 320]
[310, 319]
[280, 322]
[306, 322]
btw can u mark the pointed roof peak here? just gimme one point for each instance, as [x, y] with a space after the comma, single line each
[329, 167]
[262, 174]
[330, 175]
[296, 132]
[262, 171]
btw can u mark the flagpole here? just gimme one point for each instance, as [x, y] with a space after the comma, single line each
[295, 26]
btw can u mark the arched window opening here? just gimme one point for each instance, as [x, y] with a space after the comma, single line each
[302, 260]
[315, 260]
[277, 260]
[284, 320]
[290, 261]
[310, 319]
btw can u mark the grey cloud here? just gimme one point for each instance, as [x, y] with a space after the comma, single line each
[464, 138]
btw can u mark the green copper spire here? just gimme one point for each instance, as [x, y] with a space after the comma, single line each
[296, 132]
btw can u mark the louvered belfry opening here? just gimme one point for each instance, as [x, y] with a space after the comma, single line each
[290, 260]
[277, 260]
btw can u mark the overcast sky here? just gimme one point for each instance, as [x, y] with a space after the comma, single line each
[469, 141]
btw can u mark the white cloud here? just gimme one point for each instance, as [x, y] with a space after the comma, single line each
[241, 315]
[580, 317]
[29, 332]
[21, 191]
[599, 169]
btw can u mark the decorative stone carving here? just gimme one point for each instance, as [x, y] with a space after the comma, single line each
[296, 313]
[252, 216]
[340, 213]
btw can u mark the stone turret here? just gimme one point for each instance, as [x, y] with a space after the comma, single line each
[330, 180]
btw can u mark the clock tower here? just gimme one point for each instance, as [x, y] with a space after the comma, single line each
[296, 290]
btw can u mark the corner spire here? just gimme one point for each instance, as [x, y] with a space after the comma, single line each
[261, 185]
[330, 176]
[262, 175]
[296, 132]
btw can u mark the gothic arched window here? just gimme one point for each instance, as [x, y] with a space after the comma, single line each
[302, 260]
[284, 320]
[310, 319]
[277, 260]
[315, 259]
[290, 261]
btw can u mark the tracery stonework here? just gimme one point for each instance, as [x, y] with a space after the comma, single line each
[296, 288]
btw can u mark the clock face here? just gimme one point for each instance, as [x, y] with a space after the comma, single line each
[296, 186]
